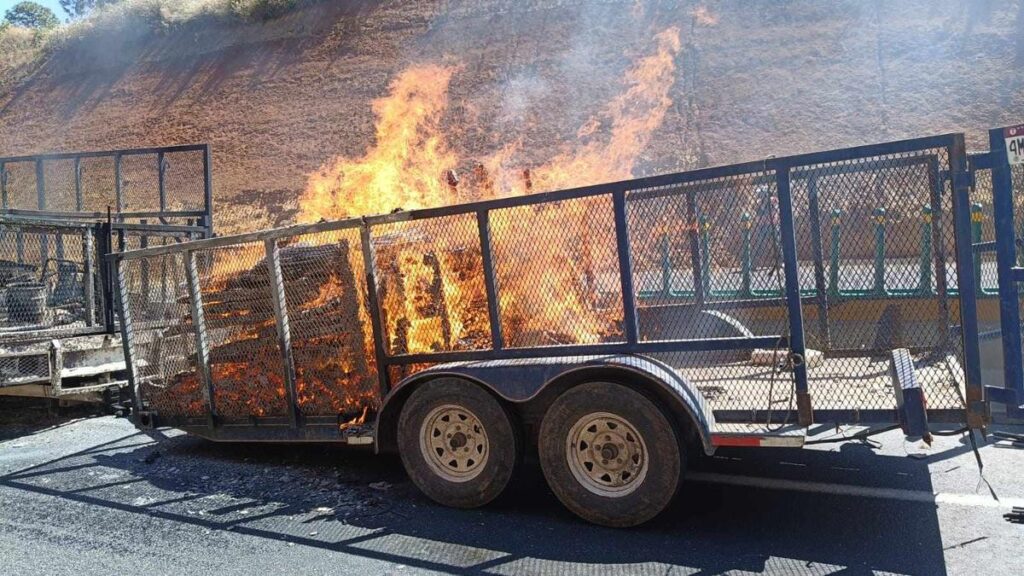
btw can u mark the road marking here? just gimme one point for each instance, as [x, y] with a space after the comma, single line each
[977, 500]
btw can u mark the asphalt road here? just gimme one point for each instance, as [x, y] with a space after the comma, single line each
[94, 496]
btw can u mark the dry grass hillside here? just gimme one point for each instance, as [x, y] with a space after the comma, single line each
[280, 99]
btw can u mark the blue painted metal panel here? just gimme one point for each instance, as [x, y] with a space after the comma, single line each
[966, 281]
[1006, 258]
[794, 309]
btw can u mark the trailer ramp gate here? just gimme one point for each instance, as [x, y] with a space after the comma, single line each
[997, 211]
[820, 263]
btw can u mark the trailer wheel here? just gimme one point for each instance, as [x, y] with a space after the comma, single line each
[457, 443]
[610, 455]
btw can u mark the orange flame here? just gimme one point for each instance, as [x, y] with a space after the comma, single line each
[556, 295]
[404, 169]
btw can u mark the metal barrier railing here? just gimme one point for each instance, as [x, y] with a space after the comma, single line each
[168, 185]
[881, 261]
[314, 323]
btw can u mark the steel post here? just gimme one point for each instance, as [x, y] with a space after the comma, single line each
[1006, 257]
[630, 326]
[833, 272]
[483, 222]
[820, 290]
[693, 227]
[746, 264]
[976, 221]
[284, 337]
[128, 339]
[787, 237]
[199, 332]
[977, 413]
[924, 283]
[705, 255]
[878, 286]
[376, 323]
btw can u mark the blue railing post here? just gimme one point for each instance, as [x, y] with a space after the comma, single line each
[977, 410]
[924, 284]
[879, 284]
[833, 260]
[790, 268]
[1006, 256]
[745, 261]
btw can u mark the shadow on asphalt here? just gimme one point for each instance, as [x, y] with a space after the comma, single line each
[712, 528]
[23, 416]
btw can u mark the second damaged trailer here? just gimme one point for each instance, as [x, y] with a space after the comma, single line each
[619, 328]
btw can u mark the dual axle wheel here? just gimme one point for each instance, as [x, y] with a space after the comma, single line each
[610, 454]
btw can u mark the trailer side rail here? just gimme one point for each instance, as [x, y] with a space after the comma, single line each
[313, 324]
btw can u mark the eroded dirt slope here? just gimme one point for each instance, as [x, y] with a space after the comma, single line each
[278, 100]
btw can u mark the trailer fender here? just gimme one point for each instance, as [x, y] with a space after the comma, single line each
[524, 381]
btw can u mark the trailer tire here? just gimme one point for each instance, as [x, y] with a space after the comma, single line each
[458, 444]
[610, 454]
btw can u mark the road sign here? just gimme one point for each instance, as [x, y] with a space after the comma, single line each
[1014, 144]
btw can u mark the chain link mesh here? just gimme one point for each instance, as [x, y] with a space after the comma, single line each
[48, 276]
[88, 182]
[329, 324]
[184, 180]
[708, 261]
[431, 286]
[19, 185]
[240, 331]
[876, 270]
[140, 182]
[884, 229]
[162, 336]
[557, 273]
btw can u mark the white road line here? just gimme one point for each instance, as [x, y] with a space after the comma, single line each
[978, 500]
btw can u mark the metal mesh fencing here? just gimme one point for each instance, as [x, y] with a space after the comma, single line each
[431, 286]
[983, 232]
[557, 273]
[62, 193]
[708, 262]
[328, 322]
[240, 332]
[184, 184]
[171, 182]
[283, 327]
[19, 366]
[18, 185]
[307, 290]
[98, 183]
[877, 233]
[162, 340]
[48, 277]
[140, 183]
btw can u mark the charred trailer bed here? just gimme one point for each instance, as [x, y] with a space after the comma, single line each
[59, 215]
[456, 335]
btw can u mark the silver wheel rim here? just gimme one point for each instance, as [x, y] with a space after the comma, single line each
[606, 454]
[454, 443]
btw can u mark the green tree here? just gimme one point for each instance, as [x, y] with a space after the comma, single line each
[31, 15]
[79, 8]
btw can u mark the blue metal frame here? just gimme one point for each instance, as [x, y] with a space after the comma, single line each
[1012, 393]
[967, 286]
[779, 171]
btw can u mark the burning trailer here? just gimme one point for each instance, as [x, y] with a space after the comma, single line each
[59, 215]
[616, 327]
